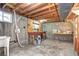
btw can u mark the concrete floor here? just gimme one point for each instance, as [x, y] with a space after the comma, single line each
[47, 48]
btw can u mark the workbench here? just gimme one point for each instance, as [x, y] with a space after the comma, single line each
[4, 42]
[33, 35]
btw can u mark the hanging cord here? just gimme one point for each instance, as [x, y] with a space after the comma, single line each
[17, 31]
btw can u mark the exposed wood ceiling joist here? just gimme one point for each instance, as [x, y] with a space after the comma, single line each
[32, 7]
[43, 13]
[53, 13]
[35, 11]
[50, 10]
[50, 18]
[11, 6]
[24, 6]
[57, 11]
[71, 15]
[4, 5]
[53, 18]
[17, 7]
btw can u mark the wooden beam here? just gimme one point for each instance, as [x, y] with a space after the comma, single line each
[35, 11]
[57, 11]
[75, 7]
[37, 7]
[25, 5]
[17, 7]
[4, 5]
[32, 7]
[43, 13]
[51, 18]
[48, 14]
[49, 11]
[71, 16]
[49, 4]
[25, 9]
[9, 5]
[70, 11]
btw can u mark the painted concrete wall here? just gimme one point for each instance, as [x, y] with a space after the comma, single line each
[60, 28]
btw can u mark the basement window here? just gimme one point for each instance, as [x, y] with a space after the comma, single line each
[5, 17]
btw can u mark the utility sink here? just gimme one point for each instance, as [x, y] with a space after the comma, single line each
[4, 42]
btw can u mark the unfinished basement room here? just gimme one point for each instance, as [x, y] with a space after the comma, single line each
[39, 29]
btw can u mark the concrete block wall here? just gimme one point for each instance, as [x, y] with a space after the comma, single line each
[22, 24]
